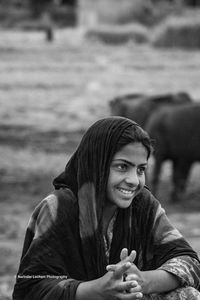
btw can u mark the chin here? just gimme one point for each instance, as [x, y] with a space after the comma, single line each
[124, 203]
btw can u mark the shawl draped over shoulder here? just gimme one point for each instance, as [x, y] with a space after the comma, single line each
[64, 244]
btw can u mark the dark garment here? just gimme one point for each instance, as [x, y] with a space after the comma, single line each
[64, 236]
[57, 251]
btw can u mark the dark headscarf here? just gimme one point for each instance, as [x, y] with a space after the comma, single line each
[86, 174]
[91, 160]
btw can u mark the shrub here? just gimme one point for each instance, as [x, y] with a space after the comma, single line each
[116, 34]
[182, 32]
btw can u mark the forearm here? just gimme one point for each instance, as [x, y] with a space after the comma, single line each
[158, 281]
[88, 291]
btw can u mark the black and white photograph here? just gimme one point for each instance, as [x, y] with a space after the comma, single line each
[99, 149]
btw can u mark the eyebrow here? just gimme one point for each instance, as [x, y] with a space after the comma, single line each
[129, 163]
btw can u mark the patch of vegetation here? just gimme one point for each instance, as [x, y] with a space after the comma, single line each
[181, 32]
[21, 15]
[142, 11]
[53, 141]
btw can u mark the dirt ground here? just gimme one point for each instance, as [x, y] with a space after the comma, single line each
[49, 95]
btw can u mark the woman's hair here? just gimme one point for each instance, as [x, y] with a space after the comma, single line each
[86, 173]
[92, 159]
[134, 134]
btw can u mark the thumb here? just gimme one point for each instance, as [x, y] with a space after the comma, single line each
[121, 270]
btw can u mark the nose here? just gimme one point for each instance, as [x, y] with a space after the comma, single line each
[132, 178]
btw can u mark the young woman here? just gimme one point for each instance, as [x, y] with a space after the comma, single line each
[101, 234]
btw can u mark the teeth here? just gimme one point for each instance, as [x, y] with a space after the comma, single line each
[127, 192]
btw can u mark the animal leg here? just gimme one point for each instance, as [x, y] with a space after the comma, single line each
[156, 174]
[180, 175]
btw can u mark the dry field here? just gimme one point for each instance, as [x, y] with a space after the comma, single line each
[49, 94]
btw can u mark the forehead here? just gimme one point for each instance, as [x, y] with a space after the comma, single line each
[132, 152]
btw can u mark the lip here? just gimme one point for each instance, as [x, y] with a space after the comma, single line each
[126, 192]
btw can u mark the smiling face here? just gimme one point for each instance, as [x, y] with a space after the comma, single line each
[127, 175]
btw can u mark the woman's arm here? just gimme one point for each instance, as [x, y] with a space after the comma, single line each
[185, 268]
[176, 272]
[155, 281]
[110, 286]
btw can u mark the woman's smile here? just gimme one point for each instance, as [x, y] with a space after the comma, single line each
[126, 192]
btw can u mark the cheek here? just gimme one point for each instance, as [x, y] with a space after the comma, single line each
[142, 180]
[113, 179]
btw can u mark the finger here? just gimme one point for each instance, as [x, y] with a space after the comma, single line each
[131, 257]
[131, 277]
[111, 268]
[127, 286]
[120, 270]
[136, 289]
[133, 296]
[124, 253]
[139, 295]
[136, 296]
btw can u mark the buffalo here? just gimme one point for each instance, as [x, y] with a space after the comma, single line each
[139, 107]
[152, 113]
[176, 132]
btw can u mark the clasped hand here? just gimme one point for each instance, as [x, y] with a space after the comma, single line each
[126, 276]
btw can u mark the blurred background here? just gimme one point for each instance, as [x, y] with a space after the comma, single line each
[66, 63]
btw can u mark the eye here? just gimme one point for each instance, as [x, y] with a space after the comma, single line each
[141, 170]
[120, 167]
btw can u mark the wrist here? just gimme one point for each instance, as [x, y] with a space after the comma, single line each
[158, 281]
[145, 282]
[88, 290]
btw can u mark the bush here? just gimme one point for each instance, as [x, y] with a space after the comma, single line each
[182, 32]
[123, 12]
[116, 34]
[142, 11]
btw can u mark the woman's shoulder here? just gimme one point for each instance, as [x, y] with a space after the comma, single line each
[58, 206]
[57, 201]
[61, 201]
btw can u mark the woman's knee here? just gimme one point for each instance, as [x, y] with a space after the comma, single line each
[190, 293]
[182, 293]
